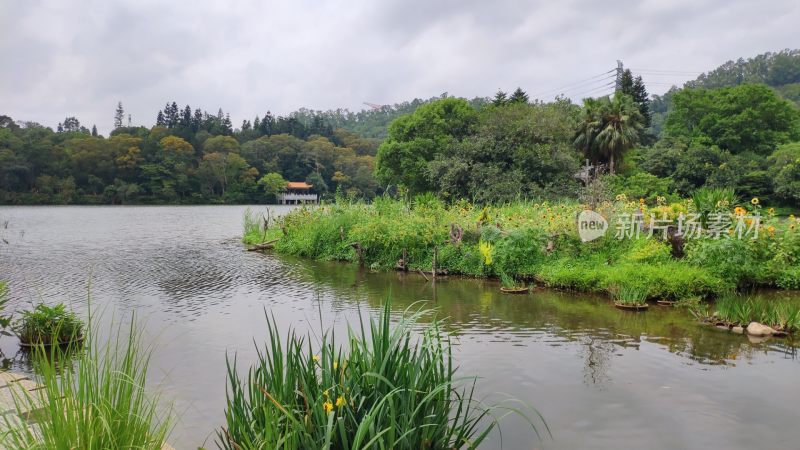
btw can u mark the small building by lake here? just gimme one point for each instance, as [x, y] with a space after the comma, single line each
[298, 193]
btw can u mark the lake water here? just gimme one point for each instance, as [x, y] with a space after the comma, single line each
[602, 378]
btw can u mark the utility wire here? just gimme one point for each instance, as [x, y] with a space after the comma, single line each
[587, 86]
[576, 83]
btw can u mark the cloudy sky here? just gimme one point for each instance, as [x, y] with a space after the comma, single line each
[64, 58]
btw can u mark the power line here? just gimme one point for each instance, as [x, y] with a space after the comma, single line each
[576, 83]
[666, 71]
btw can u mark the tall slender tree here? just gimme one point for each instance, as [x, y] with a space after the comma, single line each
[119, 116]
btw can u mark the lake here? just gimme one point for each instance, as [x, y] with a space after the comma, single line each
[601, 378]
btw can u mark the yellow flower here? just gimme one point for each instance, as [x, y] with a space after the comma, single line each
[754, 200]
[340, 402]
[335, 365]
[315, 358]
[771, 229]
[641, 200]
[739, 211]
[791, 227]
[771, 210]
[327, 406]
[791, 217]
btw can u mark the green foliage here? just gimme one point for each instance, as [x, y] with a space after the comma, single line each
[628, 295]
[641, 185]
[48, 325]
[785, 172]
[740, 310]
[416, 139]
[517, 150]
[98, 403]
[709, 200]
[743, 118]
[382, 389]
[609, 128]
[272, 184]
[5, 321]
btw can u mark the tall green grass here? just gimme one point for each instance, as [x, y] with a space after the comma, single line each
[387, 390]
[98, 403]
[741, 310]
[629, 295]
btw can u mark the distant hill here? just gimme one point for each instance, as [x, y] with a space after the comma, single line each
[779, 70]
[372, 122]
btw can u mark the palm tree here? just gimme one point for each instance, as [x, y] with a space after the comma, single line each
[589, 127]
[610, 127]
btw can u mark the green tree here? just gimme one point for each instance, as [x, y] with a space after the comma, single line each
[272, 184]
[519, 96]
[785, 172]
[516, 150]
[416, 139]
[220, 144]
[119, 115]
[743, 118]
[609, 128]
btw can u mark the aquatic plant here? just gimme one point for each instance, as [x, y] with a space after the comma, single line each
[389, 389]
[48, 325]
[628, 295]
[741, 310]
[98, 403]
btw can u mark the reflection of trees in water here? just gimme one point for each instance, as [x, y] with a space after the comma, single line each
[475, 306]
[597, 356]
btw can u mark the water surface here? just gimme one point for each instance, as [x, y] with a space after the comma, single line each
[602, 378]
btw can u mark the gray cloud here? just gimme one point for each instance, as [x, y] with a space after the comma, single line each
[66, 58]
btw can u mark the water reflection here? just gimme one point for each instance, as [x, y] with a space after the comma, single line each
[603, 378]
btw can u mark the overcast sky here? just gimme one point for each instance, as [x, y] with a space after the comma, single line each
[63, 58]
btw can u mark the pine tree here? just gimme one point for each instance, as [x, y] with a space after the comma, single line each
[160, 119]
[186, 118]
[197, 120]
[119, 116]
[626, 83]
[642, 99]
[519, 96]
[500, 98]
[94, 130]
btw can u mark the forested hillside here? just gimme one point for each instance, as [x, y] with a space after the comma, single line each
[737, 126]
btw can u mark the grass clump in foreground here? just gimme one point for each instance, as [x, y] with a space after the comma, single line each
[97, 402]
[48, 325]
[629, 295]
[388, 391]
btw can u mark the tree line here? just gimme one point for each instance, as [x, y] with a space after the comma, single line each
[189, 156]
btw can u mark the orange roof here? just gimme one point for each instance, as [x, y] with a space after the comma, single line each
[298, 185]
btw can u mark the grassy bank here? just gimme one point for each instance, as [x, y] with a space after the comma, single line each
[539, 241]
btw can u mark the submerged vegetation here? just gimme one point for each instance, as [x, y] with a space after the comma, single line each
[98, 402]
[382, 389]
[539, 241]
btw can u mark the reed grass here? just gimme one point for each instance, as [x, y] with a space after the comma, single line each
[741, 310]
[389, 390]
[98, 403]
[629, 295]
